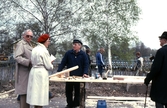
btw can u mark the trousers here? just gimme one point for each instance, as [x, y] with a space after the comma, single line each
[23, 103]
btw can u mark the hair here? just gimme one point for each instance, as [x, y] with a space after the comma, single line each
[138, 53]
[88, 50]
[83, 48]
[25, 31]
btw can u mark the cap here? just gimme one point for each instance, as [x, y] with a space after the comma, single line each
[163, 36]
[77, 41]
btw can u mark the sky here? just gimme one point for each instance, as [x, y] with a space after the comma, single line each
[152, 23]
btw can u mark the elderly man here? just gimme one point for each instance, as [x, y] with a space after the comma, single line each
[22, 55]
[72, 58]
[158, 75]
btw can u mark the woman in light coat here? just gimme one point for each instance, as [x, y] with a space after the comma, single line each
[38, 83]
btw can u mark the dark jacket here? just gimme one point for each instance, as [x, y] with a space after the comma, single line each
[158, 75]
[71, 59]
[99, 59]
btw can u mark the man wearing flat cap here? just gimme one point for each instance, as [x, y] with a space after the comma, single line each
[158, 75]
[74, 57]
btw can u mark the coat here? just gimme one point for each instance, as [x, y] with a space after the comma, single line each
[38, 83]
[158, 75]
[99, 59]
[71, 59]
[22, 55]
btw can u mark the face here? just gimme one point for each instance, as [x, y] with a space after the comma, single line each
[102, 50]
[28, 36]
[47, 43]
[162, 41]
[76, 46]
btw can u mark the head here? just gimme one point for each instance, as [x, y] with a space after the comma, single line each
[44, 39]
[138, 54]
[77, 44]
[102, 50]
[27, 35]
[86, 49]
[83, 48]
[163, 38]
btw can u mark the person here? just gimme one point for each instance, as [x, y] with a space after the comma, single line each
[38, 82]
[89, 61]
[99, 61]
[72, 58]
[86, 49]
[22, 56]
[139, 64]
[158, 75]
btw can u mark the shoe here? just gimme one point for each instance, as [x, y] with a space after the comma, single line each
[51, 97]
[18, 98]
[68, 107]
[76, 107]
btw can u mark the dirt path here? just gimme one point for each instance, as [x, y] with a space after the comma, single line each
[94, 89]
[59, 102]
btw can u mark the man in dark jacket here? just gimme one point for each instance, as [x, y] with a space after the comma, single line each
[72, 58]
[158, 75]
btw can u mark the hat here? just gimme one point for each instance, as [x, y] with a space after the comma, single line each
[77, 41]
[43, 38]
[163, 36]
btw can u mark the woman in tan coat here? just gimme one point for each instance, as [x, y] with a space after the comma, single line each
[22, 55]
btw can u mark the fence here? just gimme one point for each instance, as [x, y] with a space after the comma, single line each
[7, 70]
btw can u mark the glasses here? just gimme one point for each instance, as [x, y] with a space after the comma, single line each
[29, 36]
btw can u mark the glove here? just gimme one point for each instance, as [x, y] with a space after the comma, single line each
[146, 81]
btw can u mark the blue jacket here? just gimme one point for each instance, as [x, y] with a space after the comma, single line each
[71, 59]
[99, 59]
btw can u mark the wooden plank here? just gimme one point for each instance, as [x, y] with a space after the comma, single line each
[130, 80]
[118, 98]
[7, 92]
[94, 101]
[60, 74]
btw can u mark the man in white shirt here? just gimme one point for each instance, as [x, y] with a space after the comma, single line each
[139, 64]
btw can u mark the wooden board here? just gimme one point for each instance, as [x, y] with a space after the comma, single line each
[64, 73]
[114, 79]
[117, 98]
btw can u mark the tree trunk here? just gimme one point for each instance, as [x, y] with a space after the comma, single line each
[109, 58]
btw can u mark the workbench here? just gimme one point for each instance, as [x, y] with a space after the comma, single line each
[113, 79]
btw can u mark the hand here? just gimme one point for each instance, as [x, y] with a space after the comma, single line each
[85, 76]
[146, 81]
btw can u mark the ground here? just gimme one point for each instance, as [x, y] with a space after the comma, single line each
[92, 89]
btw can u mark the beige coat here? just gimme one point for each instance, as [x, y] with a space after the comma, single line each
[22, 55]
